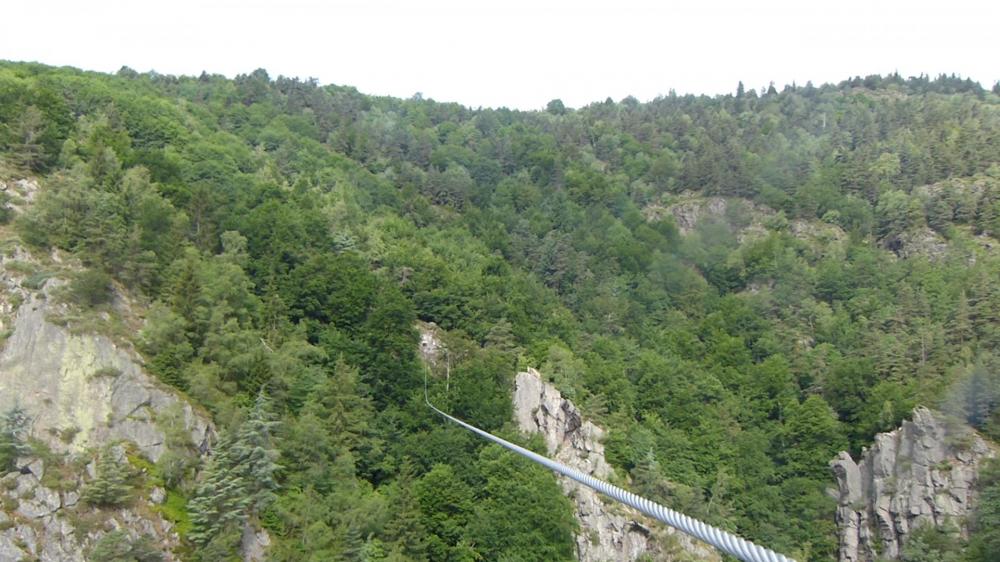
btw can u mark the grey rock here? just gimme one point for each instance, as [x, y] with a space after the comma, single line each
[922, 242]
[923, 473]
[254, 544]
[81, 392]
[158, 495]
[37, 468]
[85, 383]
[25, 485]
[9, 549]
[44, 502]
[71, 498]
[27, 537]
[607, 532]
[431, 347]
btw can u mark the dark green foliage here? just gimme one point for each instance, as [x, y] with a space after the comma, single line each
[985, 542]
[239, 480]
[90, 288]
[255, 456]
[220, 500]
[111, 486]
[117, 546]
[976, 395]
[523, 515]
[405, 532]
[289, 235]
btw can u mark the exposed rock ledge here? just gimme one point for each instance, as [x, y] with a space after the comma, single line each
[923, 473]
[607, 532]
[51, 526]
[82, 391]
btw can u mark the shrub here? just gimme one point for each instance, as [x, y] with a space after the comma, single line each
[90, 288]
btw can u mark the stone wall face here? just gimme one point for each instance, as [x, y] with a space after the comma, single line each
[923, 473]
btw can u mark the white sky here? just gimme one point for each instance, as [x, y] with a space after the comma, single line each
[516, 53]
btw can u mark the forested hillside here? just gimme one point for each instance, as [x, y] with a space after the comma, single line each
[738, 287]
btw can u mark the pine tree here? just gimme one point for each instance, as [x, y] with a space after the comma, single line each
[406, 531]
[255, 456]
[117, 546]
[12, 445]
[960, 326]
[342, 401]
[27, 147]
[220, 500]
[111, 487]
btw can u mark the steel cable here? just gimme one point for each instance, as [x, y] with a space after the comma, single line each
[722, 540]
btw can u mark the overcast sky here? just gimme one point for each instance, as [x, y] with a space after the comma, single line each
[515, 53]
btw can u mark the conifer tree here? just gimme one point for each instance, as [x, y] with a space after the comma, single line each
[111, 487]
[220, 500]
[12, 445]
[960, 326]
[255, 457]
[406, 531]
[117, 546]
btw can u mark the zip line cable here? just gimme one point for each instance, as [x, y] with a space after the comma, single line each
[722, 540]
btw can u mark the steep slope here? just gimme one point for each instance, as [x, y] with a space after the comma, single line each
[287, 235]
[84, 397]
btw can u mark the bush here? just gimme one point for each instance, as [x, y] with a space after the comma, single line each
[117, 546]
[90, 288]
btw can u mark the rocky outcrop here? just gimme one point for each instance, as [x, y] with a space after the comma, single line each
[923, 473]
[80, 391]
[747, 220]
[83, 390]
[48, 525]
[920, 242]
[254, 544]
[607, 531]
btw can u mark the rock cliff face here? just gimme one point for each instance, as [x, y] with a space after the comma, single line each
[920, 474]
[79, 392]
[83, 390]
[607, 531]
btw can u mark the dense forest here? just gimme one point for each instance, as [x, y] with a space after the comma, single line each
[283, 239]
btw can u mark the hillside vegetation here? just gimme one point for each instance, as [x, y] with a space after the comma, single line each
[285, 237]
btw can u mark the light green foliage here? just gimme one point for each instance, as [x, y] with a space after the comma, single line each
[812, 435]
[932, 544]
[446, 503]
